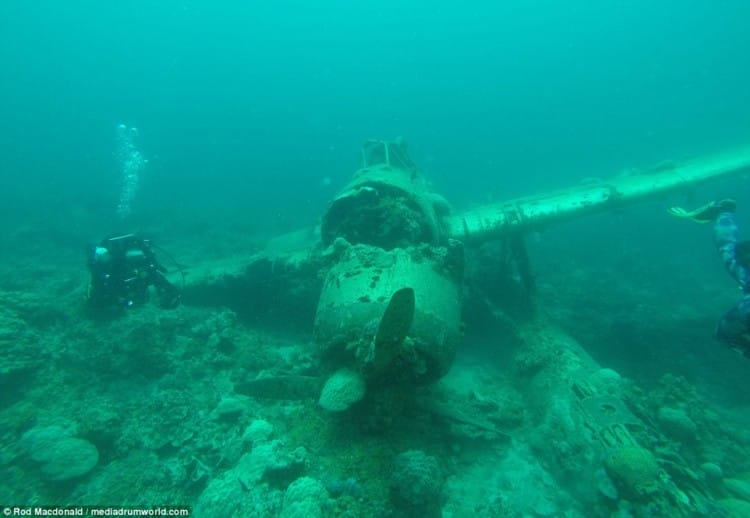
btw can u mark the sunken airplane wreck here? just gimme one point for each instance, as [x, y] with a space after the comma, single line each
[382, 279]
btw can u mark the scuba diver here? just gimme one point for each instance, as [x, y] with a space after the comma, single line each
[734, 327]
[122, 269]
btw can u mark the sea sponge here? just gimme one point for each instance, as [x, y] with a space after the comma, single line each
[258, 431]
[677, 424]
[344, 388]
[635, 471]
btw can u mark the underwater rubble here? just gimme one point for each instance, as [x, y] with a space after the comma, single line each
[199, 407]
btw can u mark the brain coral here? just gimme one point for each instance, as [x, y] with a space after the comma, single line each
[305, 498]
[60, 456]
[416, 479]
[343, 389]
[635, 471]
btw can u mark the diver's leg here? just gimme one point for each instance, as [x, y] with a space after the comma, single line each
[169, 295]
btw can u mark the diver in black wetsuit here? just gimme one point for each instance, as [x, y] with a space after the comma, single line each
[122, 269]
